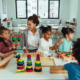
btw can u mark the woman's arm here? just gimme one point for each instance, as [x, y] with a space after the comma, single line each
[4, 61]
[23, 41]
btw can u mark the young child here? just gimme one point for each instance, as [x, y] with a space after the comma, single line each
[45, 42]
[7, 57]
[31, 37]
[5, 44]
[74, 68]
[65, 43]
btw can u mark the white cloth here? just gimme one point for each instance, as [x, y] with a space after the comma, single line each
[44, 46]
[33, 40]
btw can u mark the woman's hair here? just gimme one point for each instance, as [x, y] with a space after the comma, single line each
[2, 28]
[67, 31]
[34, 18]
[45, 29]
[76, 50]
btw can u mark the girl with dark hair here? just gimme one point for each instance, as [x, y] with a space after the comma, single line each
[45, 43]
[31, 37]
[65, 43]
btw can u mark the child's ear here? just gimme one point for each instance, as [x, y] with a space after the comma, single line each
[67, 35]
[34, 24]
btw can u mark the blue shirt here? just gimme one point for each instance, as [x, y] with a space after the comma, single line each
[73, 71]
[65, 46]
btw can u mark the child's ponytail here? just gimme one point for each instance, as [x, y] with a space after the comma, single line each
[45, 29]
[67, 31]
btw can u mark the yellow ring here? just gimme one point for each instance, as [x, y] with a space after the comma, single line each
[29, 67]
[38, 62]
[21, 60]
[20, 70]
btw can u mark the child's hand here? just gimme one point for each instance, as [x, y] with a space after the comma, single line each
[26, 51]
[53, 47]
[12, 52]
[11, 56]
[56, 47]
[17, 45]
[13, 46]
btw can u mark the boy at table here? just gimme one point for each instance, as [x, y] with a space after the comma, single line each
[74, 68]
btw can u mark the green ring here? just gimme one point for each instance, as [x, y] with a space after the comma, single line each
[29, 63]
[37, 64]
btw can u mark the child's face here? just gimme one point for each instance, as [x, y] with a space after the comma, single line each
[71, 35]
[47, 35]
[31, 25]
[5, 35]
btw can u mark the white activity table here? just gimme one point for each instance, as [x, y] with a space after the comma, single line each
[10, 72]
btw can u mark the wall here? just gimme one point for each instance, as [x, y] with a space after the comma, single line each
[78, 21]
[1, 10]
[64, 13]
[75, 13]
[73, 9]
[69, 9]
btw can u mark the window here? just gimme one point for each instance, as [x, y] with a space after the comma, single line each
[43, 8]
[48, 9]
[21, 9]
[54, 9]
[31, 7]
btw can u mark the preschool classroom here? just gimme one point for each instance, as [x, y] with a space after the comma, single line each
[39, 40]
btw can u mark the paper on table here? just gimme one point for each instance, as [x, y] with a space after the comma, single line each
[60, 62]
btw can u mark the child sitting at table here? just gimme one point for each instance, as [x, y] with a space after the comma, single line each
[7, 57]
[45, 43]
[65, 43]
[5, 44]
[74, 68]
